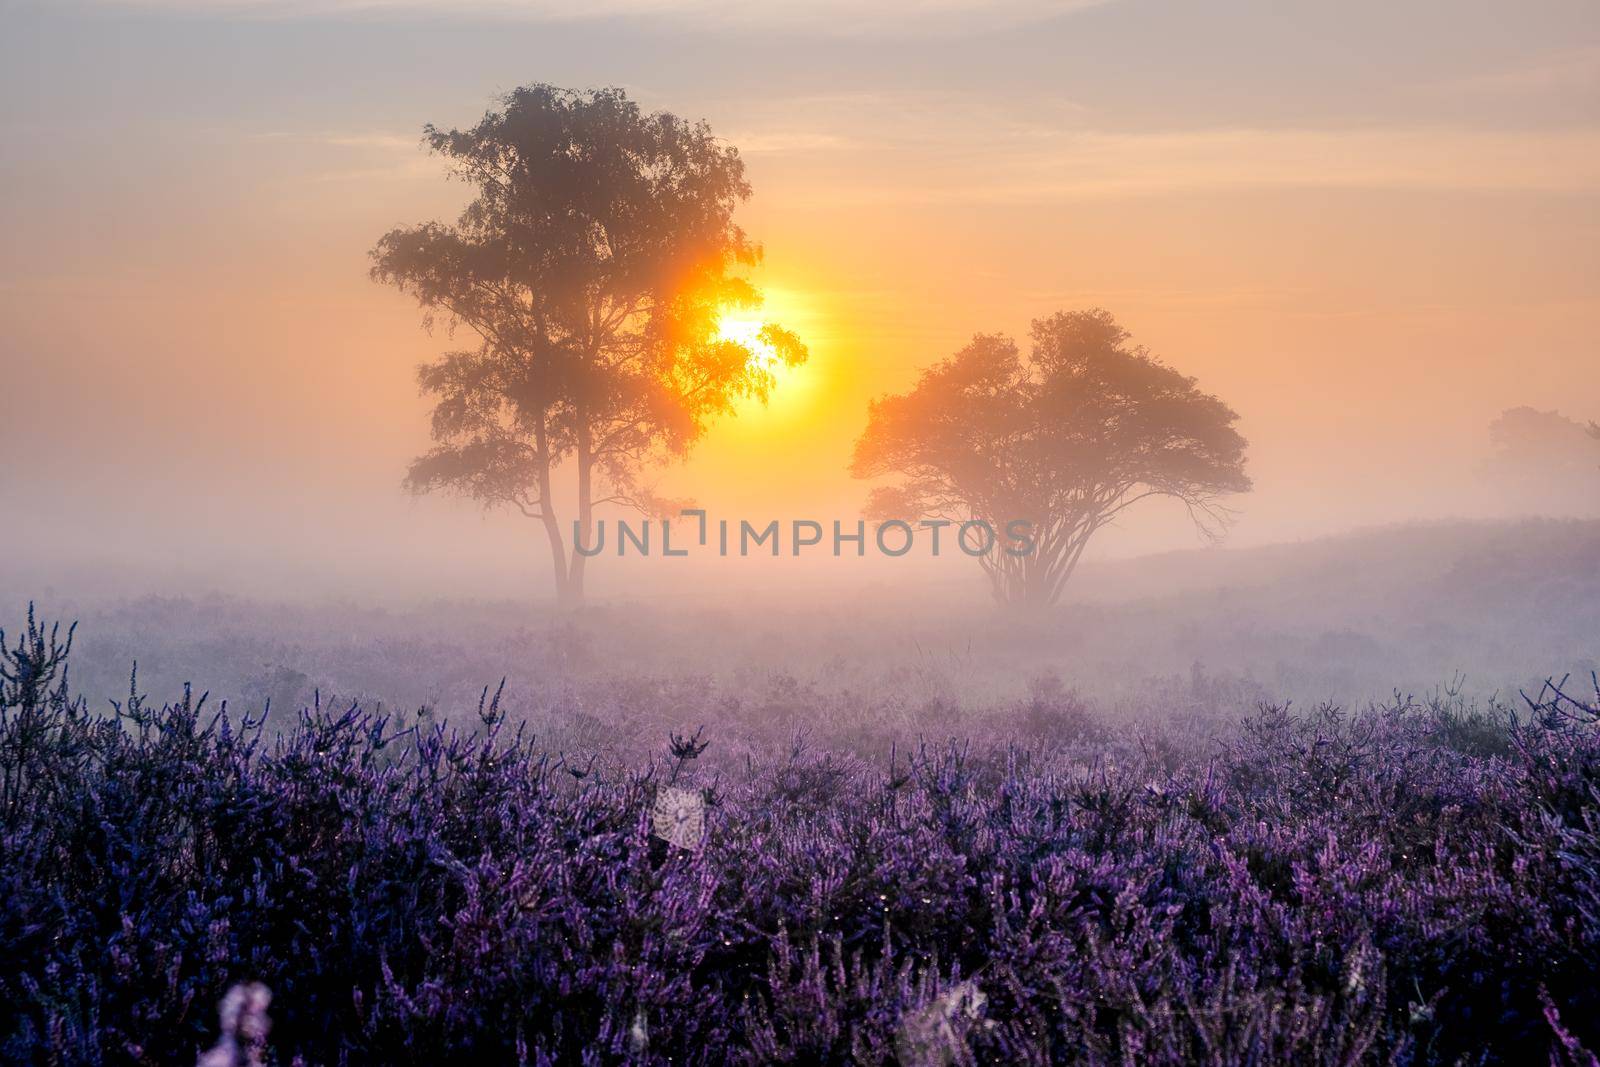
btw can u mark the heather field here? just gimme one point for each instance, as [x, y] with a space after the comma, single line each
[1040, 879]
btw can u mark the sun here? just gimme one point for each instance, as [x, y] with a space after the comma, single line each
[744, 328]
[792, 385]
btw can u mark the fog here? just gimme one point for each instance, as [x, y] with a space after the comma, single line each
[207, 400]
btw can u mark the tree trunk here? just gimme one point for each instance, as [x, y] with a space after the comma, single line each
[552, 526]
[1035, 582]
[585, 513]
[558, 559]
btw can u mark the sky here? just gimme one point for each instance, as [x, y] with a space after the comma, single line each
[1368, 226]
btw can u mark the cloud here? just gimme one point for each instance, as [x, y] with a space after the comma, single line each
[964, 149]
[933, 119]
[366, 140]
[777, 142]
[1574, 71]
[1375, 158]
[387, 142]
[947, 147]
[843, 17]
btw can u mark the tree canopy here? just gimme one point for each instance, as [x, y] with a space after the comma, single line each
[592, 267]
[1543, 462]
[1067, 439]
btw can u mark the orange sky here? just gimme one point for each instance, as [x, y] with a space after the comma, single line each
[1369, 231]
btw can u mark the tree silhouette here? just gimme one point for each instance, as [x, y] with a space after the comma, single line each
[592, 266]
[1066, 439]
[1543, 461]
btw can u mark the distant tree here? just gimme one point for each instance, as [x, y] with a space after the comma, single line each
[1544, 461]
[592, 265]
[1067, 439]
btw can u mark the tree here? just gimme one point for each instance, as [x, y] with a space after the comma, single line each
[592, 266]
[1067, 440]
[1543, 461]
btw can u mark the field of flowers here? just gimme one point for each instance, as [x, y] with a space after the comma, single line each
[1416, 883]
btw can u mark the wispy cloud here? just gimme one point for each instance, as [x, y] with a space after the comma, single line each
[387, 142]
[1566, 72]
[828, 16]
[911, 148]
[777, 142]
[1376, 158]
[956, 149]
[367, 140]
[348, 155]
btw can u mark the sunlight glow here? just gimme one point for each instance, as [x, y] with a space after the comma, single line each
[790, 385]
[744, 327]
